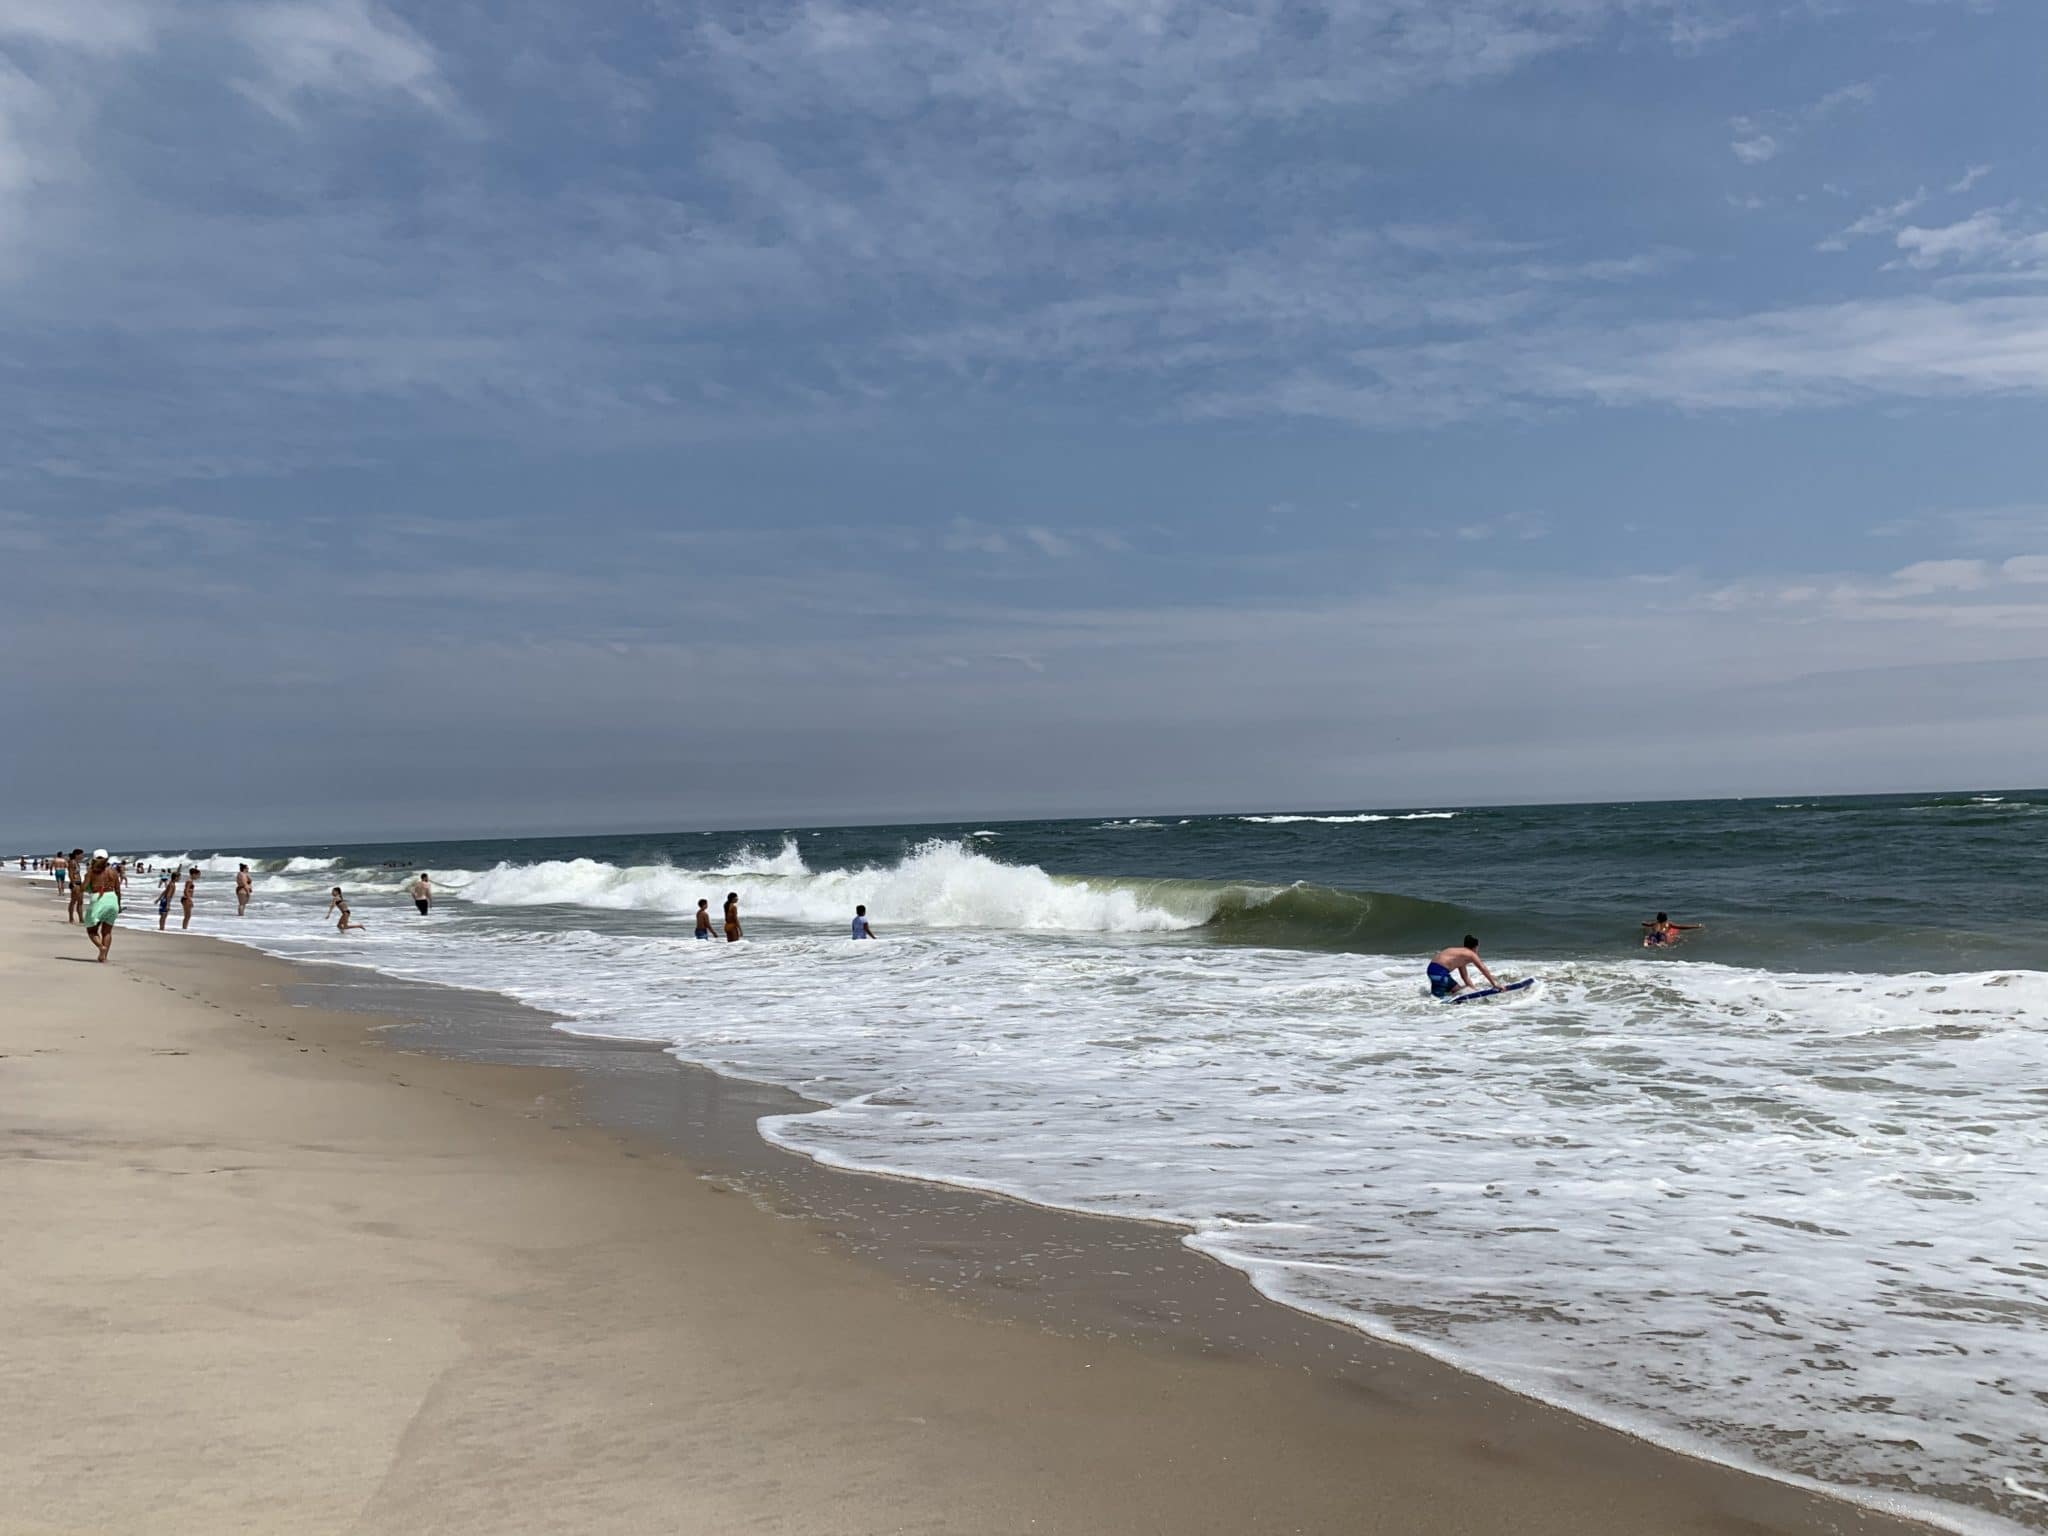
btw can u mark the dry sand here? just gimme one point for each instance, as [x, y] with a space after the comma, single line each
[266, 1273]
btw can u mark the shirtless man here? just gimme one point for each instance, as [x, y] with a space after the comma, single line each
[732, 917]
[423, 893]
[185, 901]
[704, 919]
[244, 888]
[1458, 959]
[103, 882]
[74, 876]
[1662, 932]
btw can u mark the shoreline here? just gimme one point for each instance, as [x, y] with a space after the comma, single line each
[1349, 1433]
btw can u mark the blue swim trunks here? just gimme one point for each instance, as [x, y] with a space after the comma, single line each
[1441, 982]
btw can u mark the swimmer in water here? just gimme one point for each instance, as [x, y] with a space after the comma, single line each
[732, 917]
[1661, 932]
[244, 886]
[1451, 971]
[861, 930]
[704, 918]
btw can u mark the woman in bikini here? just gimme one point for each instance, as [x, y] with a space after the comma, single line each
[336, 902]
[732, 917]
[185, 901]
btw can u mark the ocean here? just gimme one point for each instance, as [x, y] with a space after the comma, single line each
[1778, 1196]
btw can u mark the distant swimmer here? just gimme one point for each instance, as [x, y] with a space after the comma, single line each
[244, 888]
[103, 885]
[861, 930]
[704, 918]
[1661, 933]
[185, 901]
[1451, 971]
[732, 917]
[423, 893]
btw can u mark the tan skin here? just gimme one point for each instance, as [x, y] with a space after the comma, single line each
[244, 886]
[336, 902]
[76, 873]
[732, 918]
[703, 917]
[1661, 932]
[1461, 960]
[165, 892]
[100, 878]
[185, 901]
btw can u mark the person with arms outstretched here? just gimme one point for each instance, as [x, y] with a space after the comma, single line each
[1661, 932]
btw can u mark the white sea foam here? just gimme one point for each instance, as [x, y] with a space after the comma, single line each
[1362, 816]
[301, 865]
[1792, 1217]
[939, 884]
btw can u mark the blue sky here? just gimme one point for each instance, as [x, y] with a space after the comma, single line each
[461, 417]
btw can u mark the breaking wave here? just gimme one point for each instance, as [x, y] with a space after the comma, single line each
[943, 884]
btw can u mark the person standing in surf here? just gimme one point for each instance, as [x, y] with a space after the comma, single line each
[103, 888]
[732, 917]
[185, 901]
[704, 918]
[423, 893]
[244, 888]
[166, 893]
[1451, 971]
[861, 930]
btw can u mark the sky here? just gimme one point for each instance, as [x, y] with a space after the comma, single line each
[424, 419]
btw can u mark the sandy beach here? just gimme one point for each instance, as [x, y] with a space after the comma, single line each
[282, 1267]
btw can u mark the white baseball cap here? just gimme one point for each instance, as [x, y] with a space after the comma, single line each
[99, 853]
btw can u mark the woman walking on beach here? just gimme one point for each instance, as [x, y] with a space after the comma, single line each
[103, 903]
[732, 917]
[191, 889]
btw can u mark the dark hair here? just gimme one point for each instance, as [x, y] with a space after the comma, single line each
[860, 911]
[245, 866]
[1470, 942]
[1663, 917]
[76, 852]
[732, 895]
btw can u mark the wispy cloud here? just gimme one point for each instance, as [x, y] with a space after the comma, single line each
[336, 48]
[1763, 136]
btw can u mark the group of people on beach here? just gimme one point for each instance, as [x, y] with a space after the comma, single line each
[94, 885]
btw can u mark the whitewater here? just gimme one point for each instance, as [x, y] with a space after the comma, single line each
[1790, 1219]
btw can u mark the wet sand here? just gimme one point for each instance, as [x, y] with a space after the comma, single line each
[296, 1249]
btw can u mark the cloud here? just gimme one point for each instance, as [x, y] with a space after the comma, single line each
[336, 48]
[1763, 136]
[1879, 221]
[1983, 239]
[1970, 178]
